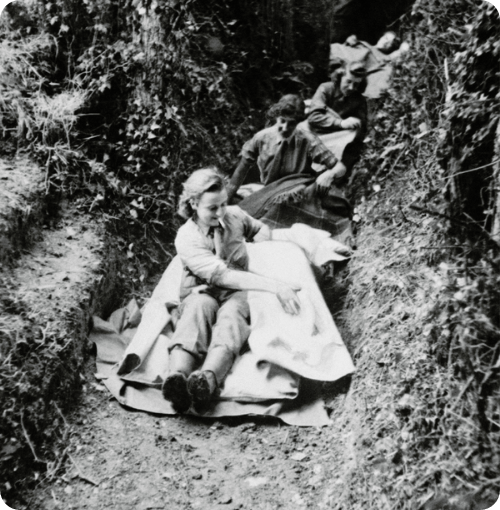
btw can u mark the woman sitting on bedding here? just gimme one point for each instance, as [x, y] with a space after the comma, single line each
[339, 105]
[388, 47]
[282, 150]
[214, 312]
[297, 175]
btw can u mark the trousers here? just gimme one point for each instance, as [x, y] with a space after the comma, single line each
[207, 324]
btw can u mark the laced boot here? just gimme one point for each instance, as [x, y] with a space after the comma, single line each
[174, 388]
[203, 385]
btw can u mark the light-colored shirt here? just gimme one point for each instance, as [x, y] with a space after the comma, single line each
[277, 158]
[197, 249]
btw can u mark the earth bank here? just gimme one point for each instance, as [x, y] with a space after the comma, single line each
[419, 425]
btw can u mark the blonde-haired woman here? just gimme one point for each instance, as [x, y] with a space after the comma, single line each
[214, 313]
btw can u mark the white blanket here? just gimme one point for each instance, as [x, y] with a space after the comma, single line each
[283, 348]
[308, 344]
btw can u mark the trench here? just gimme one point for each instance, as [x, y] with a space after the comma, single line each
[118, 458]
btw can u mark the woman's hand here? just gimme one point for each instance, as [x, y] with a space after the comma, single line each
[325, 180]
[405, 46]
[350, 123]
[288, 298]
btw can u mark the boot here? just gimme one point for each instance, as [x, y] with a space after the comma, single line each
[204, 383]
[202, 386]
[219, 361]
[174, 387]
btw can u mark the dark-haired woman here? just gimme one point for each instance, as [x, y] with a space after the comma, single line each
[339, 105]
[297, 172]
[282, 150]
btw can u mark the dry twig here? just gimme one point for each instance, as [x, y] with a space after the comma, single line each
[28, 440]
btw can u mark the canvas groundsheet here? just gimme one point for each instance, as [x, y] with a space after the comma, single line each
[280, 372]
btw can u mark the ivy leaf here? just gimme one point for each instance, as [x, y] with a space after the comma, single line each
[182, 128]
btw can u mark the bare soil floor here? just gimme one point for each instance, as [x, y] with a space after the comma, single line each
[120, 459]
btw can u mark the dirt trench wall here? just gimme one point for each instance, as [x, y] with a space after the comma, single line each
[23, 206]
[422, 307]
[47, 297]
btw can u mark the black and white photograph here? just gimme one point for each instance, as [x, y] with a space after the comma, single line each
[249, 255]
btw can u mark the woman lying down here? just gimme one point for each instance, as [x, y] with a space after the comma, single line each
[219, 280]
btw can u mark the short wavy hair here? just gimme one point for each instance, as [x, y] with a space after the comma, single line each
[289, 105]
[355, 69]
[205, 180]
[396, 42]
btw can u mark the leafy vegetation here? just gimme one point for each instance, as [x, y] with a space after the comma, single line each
[426, 277]
[119, 101]
[171, 86]
[148, 91]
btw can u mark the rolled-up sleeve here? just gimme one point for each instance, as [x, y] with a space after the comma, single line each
[317, 151]
[199, 259]
[320, 98]
[321, 154]
[251, 225]
[250, 148]
[321, 116]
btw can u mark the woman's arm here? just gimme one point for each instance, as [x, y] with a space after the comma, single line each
[249, 154]
[326, 179]
[322, 118]
[244, 280]
[254, 231]
[212, 269]
[238, 177]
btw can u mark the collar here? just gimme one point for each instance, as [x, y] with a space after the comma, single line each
[277, 138]
[337, 93]
[207, 230]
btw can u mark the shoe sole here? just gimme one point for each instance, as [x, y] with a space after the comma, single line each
[199, 389]
[175, 390]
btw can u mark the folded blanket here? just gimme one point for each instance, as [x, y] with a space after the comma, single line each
[307, 344]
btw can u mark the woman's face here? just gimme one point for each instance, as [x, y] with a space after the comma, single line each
[349, 84]
[210, 208]
[286, 126]
[386, 42]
